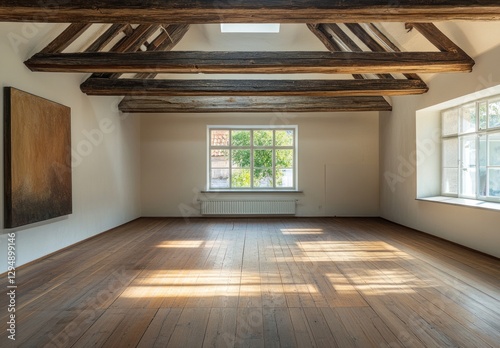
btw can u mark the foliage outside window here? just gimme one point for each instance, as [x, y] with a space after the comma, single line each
[471, 150]
[257, 158]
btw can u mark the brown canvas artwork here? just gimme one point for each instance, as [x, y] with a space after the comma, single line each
[37, 159]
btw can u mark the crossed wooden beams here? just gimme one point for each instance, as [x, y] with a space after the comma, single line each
[145, 52]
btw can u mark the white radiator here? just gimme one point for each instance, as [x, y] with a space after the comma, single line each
[280, 207]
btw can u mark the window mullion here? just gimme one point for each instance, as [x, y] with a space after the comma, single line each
[461, 167]
[274, 159]
[460, 158]
[487, 165]
[478, 170]
[251, 159]
[230, 163]
[210, 161]
[478, 116]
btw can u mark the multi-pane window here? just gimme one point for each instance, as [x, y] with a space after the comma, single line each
[471, 150]
[256, 158]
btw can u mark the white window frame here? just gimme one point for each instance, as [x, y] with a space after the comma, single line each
[251, 148]
[478, 133]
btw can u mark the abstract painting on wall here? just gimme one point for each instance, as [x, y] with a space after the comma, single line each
[37, 159]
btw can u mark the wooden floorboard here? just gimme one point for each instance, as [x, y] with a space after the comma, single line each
[281, 282]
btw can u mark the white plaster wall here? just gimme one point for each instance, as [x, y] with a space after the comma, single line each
[472, 227]
[338, 162]
[105, 169]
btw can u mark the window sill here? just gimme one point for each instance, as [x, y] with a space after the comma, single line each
[472, 203]
[252, 191]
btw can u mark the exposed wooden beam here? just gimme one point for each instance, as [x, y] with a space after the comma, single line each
[134, 42]
[131, 43]
[331, 88]
[215, 11]
[373, 44]
[174, 33]
[167, 40]
[325, 37]
[329, 41]
[251, 104]
[343, 37]
[361, 34]
[389, 45]
[169, 37]
[252, 62]
[128, 30]
[66, 38]
[108, 36]
[436, 37]
[349, 43]
[376, 32]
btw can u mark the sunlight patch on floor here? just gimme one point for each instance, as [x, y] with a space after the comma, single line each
[382, 282]
[300, 231]
[189, 244]
[203, 290]
[351, 251]
[202, 283]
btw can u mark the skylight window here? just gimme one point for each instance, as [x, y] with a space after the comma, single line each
[250, 28]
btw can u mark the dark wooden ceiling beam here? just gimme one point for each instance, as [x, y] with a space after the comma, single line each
[146, 104]
[66, 38]
[329, 41]
[207, 87]
[342, 37]
[346, 43]
[373, 44]
[134, 42]
[376, 32]
[325, 37]
[389, 45]
[263, 11]
[174, 33]
[167, 40]
[252, 62]
[108, 36]
[128, 29]
[436, 37]
[170, 36]
[361, 34]
[349, 43]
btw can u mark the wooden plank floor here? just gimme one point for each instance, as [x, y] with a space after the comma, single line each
[327, 282]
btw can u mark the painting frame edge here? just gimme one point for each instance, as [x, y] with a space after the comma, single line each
[7, 157]
[9, 199]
